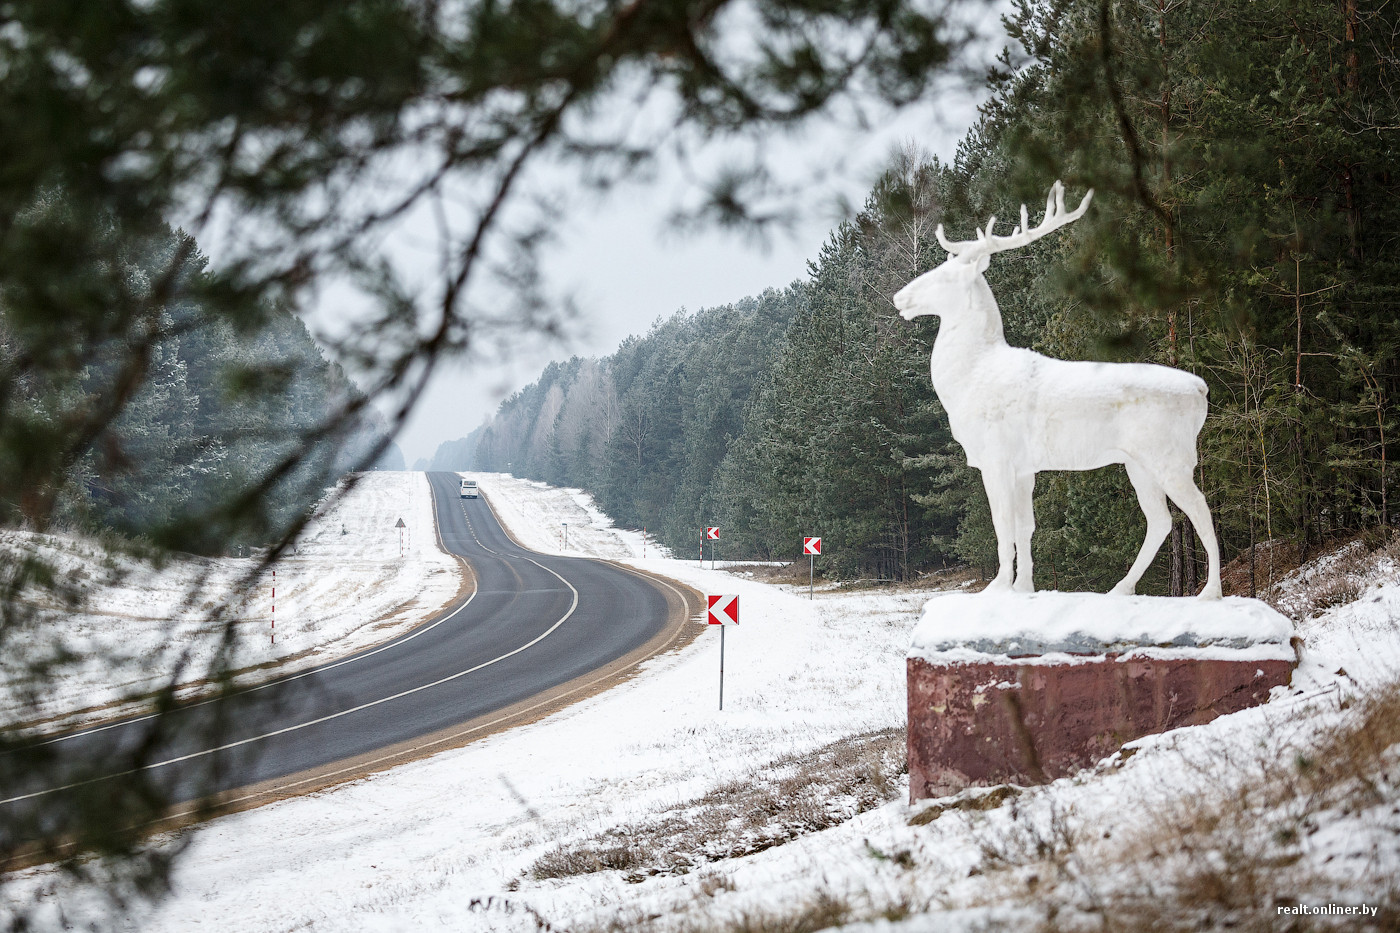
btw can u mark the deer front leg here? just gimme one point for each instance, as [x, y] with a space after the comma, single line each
[1024, 502]
[1001, 496]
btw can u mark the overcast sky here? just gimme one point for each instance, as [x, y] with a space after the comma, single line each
[624, 266]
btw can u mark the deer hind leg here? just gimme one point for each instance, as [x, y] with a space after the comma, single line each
[1025, 529]
[1182, 488]
[1001, 496]
[1153, 500]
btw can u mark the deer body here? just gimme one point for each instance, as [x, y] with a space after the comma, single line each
[1017, 412]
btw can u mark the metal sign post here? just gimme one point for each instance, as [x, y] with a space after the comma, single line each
[711, 533]
[811, 547]
[723, 611]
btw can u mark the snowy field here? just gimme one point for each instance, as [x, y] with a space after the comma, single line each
[648, 808]
[344, 588]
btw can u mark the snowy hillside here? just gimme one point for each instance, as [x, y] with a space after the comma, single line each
[343, 588]
[646, 808]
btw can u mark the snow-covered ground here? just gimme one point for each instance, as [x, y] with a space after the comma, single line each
[611, 814]
[345, 587]
[536, 513]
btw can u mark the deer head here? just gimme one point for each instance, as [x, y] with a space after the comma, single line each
[948, 286]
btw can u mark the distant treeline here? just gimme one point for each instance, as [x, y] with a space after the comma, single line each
[1243, 228]
[208, 407]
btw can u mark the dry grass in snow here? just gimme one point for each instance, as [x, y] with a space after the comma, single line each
[797, 794]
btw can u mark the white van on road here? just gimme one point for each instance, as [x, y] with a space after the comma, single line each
[469, 489]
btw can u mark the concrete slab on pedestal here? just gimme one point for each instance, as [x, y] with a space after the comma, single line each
[1025, 688]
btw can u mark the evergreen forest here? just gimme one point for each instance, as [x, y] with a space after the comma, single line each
[209, 411]
[1243, 158]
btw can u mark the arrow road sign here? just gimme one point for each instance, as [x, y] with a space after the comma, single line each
[811, 545]
[400, 524]
[724, 610]
[712, 534]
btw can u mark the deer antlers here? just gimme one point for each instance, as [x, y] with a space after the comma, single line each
[1055, 217]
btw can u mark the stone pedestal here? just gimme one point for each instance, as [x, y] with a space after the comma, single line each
[1027, 688]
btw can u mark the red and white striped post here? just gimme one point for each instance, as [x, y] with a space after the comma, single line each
[274, 607]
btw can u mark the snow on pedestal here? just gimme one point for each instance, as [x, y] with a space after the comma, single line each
[1029, 687]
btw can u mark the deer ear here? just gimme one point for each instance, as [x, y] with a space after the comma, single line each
[983, 262]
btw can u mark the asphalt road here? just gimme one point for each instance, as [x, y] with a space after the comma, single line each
[534, 622]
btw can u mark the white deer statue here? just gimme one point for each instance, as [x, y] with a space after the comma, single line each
[1016, 412]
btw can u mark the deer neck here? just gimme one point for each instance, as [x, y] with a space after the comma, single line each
[967, 334]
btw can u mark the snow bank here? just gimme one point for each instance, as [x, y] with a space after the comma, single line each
[344, 587]
[535, 512]
[1355, 645]
[1050, 623]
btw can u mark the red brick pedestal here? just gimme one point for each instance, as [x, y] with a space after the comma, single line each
[980, 713]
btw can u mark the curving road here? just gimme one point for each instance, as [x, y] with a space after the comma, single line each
[533, 624]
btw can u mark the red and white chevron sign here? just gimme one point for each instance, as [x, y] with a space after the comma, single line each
[811, 545]
[724, 610]
[712, 534]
